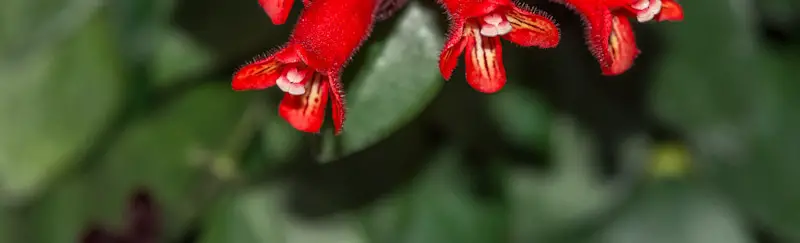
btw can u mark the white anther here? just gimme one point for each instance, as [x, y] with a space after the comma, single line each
[494, 25]
[295, 76]
[291, 82]
[652, 10]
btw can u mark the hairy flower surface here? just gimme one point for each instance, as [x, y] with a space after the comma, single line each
[308, 68]
[609, 33]
[477, 26]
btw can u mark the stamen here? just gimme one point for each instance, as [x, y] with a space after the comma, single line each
[495, 25]
[652, 10]
[292, 81]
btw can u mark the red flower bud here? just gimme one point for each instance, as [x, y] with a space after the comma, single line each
[478, 25]
[610, 34]
[308, 67]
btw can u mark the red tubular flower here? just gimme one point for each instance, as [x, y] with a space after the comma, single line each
[477, 25]
[610, 34]
[308, 67]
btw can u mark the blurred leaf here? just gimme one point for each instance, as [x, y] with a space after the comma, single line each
[259, 216]
[280, 140]
[52, 103]
[737, 106]
[394, 86]
[541, 205]
[178, 56]
[27, 26]
[765, 181]
[438, 207]
[782, 12]
[521, 116]
[698, 65]
[672, 212]
[159, 153]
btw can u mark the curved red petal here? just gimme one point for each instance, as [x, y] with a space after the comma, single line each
[306, 112]
[532, 28]
[597, 20]
[622, 46]
[261, 74]
[448, 59]
[337, 103]
[670, 11]
[277, 10]
[484, 62]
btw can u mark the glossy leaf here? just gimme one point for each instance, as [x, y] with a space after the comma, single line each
[259, 216]
[160, 153]
[394, 85]
[53, 102]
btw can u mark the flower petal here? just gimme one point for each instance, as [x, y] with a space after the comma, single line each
[277, 10]
[337, 103]
[261, 74]
[532, 28]
[597, 20]
[448, 59]
[621, 46]
[485, 71]
[670, 11]
[307, 111]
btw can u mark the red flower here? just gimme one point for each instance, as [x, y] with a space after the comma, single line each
[610, 34]
[308, 67]
[477, 25]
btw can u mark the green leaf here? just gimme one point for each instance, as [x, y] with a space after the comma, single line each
[544, 205]
[52, 103]
[178, 56]
[394, 86]
[521, 116]
[764, 180]
[736, 104]
[672, 212]
[160, 153]
[259, 216]
[438, 207]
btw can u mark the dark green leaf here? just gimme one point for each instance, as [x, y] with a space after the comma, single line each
[438, 207]
[394, 86]
[737, 105]
[52, 103]
[162, 153]
[259, 216]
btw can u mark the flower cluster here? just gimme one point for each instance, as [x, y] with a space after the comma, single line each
[328, 32]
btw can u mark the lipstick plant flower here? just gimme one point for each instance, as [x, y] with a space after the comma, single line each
[328, 32]
[477, 26]
[610, 34]
[308, 68]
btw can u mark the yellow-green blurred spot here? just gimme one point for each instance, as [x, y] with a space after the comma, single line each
[669, 160]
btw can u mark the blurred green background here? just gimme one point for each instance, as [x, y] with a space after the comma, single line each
[103, 100]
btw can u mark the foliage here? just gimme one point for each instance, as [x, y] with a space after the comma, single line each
[697, 143]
